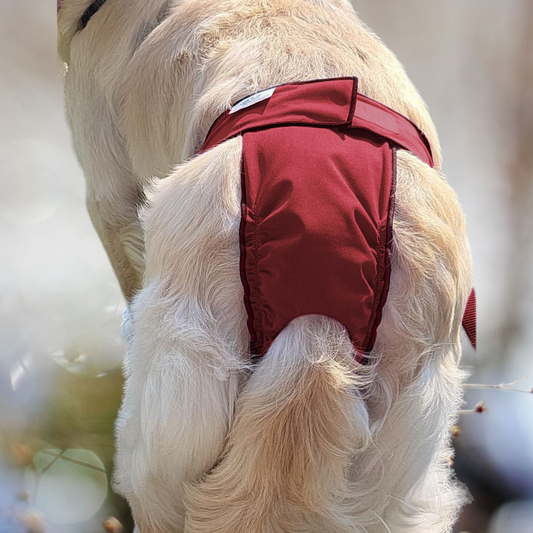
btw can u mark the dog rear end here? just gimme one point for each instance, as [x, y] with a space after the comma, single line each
[308, 440]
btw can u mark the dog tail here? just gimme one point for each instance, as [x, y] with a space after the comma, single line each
[300, 421]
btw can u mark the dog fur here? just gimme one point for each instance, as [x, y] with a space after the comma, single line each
[308, 441]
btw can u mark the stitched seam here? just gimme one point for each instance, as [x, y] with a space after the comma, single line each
[379, 273]
[243, 254]
[251, 128]
[259, 295]
[383, 256]
[353, 102]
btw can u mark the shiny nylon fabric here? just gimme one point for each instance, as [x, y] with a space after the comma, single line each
[318, 180]
[314, 245]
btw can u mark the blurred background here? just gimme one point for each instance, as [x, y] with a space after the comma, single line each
[60, 306]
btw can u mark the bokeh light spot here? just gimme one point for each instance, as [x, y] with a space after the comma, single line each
[67, 486]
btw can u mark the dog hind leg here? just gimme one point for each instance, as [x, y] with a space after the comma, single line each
[176, 411]
[185, 364]
[403, 482]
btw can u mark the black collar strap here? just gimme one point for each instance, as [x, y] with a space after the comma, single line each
[90, 12]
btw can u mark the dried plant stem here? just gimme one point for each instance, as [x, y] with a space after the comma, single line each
[502, 386]
[479, 408]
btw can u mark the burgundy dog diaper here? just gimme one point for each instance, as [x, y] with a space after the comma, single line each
[318, 180]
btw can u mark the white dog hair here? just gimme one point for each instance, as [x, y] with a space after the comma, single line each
[308, 441]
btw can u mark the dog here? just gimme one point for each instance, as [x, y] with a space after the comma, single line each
[309, 437]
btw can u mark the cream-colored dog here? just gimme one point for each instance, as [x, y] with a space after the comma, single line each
[308, 441]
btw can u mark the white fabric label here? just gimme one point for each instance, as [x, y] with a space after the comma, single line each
[250, 100]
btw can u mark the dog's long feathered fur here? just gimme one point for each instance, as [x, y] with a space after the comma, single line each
[308, 441]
